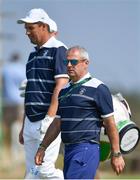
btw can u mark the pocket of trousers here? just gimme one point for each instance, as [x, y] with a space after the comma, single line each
[82, 157]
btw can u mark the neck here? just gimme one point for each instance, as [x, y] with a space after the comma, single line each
[44, 39]
[75, 79]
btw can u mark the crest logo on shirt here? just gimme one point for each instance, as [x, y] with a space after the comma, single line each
[82, 91]
[45, 53]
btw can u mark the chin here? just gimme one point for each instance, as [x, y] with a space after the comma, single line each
[33, 42]
[71, 75]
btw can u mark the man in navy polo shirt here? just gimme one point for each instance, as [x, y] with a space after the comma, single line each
[46, 75]
[84, 104]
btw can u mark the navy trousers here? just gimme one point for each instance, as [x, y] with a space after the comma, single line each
[81, 160]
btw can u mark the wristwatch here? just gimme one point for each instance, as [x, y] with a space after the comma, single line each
[116, 154]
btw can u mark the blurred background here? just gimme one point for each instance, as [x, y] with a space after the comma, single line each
[108, 29]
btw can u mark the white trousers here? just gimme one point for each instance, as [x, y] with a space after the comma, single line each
[32, 139]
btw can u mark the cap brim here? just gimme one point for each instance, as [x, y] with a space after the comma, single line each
[26, 20]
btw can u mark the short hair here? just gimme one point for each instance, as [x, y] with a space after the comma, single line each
[83, 51]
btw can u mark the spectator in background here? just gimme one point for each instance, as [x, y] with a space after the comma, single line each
[13, 73]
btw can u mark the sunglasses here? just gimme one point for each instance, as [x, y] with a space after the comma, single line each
[73, 62]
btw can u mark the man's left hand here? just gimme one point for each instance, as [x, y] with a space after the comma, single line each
[118, 164]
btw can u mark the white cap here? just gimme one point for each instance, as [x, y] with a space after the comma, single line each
[38, 15]
[53, 25]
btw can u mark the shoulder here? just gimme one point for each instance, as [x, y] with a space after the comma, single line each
[58, 44]
[97, 85]
[94, 82]
[54, 43]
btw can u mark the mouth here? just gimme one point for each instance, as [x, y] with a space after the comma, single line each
[70, 71]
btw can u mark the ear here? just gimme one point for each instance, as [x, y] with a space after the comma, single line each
[45, 26]
[87, 62]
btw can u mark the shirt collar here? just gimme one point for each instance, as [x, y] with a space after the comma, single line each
[52, 43]
[49, 42]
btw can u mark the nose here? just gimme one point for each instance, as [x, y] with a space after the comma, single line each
[27, 32]
[69, 63]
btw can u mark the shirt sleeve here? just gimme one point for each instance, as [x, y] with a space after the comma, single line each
[104, 101]
[60, 68]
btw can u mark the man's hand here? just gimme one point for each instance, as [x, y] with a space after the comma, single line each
[39, 156]
[118, 164]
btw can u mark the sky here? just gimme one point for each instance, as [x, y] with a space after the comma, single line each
[108, 29]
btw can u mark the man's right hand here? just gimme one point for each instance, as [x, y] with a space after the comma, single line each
[21, 139]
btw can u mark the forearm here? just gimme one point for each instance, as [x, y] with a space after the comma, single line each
[113, 134]
[21, 139]
[117, 160]
[23, 120]
[54, 103]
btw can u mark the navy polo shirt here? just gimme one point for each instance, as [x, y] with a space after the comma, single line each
[81, 110]
[43, 66]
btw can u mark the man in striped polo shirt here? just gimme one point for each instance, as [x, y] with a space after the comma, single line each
[84, 105]
[46, 75]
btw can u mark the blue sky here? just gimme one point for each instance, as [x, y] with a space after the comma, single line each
[108, 29]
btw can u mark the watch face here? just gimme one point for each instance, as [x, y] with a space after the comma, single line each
[116, 154]
[129, 140]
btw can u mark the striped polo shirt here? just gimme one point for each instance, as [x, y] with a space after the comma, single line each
[81, 109]
[43, 67]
